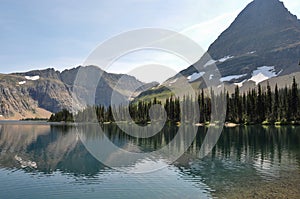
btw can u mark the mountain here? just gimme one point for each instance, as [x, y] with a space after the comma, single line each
[39, 93]
[262, 42]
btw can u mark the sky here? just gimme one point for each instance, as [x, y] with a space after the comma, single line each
[61, 34]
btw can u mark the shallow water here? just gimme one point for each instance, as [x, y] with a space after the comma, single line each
[248, 162]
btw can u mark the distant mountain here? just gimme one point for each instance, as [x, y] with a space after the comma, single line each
[265, 33]
[263, 42]
[39, 93]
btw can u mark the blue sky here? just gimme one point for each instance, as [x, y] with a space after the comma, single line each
[61, 34]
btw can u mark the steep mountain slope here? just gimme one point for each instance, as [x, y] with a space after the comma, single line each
[263, 42]
[264, 25]
[38, 93]
[107, 84]
[265, 33]
[16, 102]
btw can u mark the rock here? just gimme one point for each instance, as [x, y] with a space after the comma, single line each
[50, 91]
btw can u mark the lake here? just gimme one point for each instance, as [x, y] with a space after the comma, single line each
[40, 160]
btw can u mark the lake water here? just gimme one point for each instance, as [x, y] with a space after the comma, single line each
[51, 161]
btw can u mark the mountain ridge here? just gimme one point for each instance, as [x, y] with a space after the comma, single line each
[262, 42]
[265, 33]
[264, 17]
[38, 93]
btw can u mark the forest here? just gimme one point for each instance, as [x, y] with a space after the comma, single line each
[257, 106]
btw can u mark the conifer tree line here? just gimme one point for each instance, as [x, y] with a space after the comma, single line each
[269, 106]
[258, 105]
[63, 115]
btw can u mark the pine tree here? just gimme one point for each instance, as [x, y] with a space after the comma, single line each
[269, 103]
[260, 105]
[276, 104]
[294, 100]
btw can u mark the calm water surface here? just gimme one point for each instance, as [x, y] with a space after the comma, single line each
[50, 161]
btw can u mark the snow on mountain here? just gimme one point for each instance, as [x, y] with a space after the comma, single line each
[263, 73]
[240, 84]
[210, 62]
[22, 82]
[258, 78]
[195, 76]
[252, 52]
[231, 77]
[33, 78]
[225, 58]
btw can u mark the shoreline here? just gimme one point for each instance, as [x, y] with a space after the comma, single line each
[207, 124]
[33, 122]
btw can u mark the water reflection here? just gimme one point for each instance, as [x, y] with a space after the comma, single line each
[253, 156]
[52, 148]
[121, 151]
[248, 159]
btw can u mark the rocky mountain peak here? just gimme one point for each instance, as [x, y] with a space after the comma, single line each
[45, 73]
[37, 93]
[261, 26]
[263, 42]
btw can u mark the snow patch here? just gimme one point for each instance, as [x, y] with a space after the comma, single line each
[195, 76]
[22, 82]
[258, 78]
[210, 62]
[231, 77]
[240, 84]
[211, 76]
[225, 58]
[252, 52]
[263, 73]
[33, 78]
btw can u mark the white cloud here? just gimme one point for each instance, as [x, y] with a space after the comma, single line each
[205, 33]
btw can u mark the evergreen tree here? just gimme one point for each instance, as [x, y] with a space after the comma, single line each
[276, 104]
[294, 100]
[269, 103]
[254, 106]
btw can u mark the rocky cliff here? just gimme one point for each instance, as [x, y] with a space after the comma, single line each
[39, 93]
[265, 33]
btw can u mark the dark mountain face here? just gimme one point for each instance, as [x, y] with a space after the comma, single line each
[263, 42]
[263, 25]
[265, 33]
